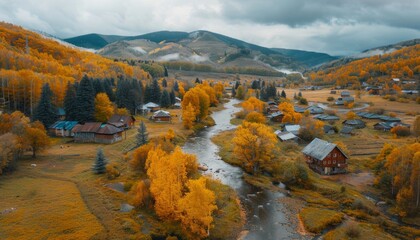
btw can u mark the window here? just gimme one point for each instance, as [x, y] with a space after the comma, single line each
[334, 161]
[329, 162]
[335, 154]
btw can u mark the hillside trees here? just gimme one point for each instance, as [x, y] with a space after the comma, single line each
[103, 107]
[129, 94]
[199, 101]
[290, 116]
[165, 100]
[45, 110]
[70, 102]
[36, 138]
[254, 144]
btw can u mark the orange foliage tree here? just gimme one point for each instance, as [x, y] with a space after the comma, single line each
[253, 104]
[103, 107]
[290, 116]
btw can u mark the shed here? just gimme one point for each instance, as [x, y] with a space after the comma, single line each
[299, 109]
[314, 109]
[150, 107]
[328, 129]
[287, 136]
[324, 157]
[277, 116]
[161, 116]
[326, 117]
[355, 123]
[122, 121]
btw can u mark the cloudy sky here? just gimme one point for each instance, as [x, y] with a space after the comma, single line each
[337, 27]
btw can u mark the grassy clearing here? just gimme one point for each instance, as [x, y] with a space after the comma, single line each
[317, 219]
[45, 208]
[224, 141]
[355, 230]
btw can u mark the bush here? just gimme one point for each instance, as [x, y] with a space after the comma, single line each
[392, 114]
[331, 112]
[112, 171]
[240, 114]
[352, 230]
[379, 111]
[392, 98]
[303, 101]
[330, 99]
[401, 131]
[418, 100]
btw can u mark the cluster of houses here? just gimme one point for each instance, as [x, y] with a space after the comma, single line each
[109, 132]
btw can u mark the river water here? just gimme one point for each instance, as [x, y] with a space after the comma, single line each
[266, 217]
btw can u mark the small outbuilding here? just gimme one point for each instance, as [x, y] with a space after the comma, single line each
[326, 117]
[122, 121]
[97, 132]
[62, 128]
[150, 107]
[314, 109]
[161, 116]
[355, 123]
[325, 158]
[292, 129]
[286, 136]
[276, 116]
[347, 131]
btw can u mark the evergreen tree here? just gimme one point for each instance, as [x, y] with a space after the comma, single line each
[197, 80]
[155, 91]
[283, 94]
[148, 94]
[300, 94]
[99, 167]
[45, 111]
[108, 90]
[85, 98]
[142, 135]
[165, 100]
[255, 84]
[233, 92]
[98, 86]
[263, 95]
[176, 86]
[237, 84]
[172, 97]
[164, 83]
[166, 72]
[70, 103]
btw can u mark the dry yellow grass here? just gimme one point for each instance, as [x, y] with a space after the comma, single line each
[45, 209]
[364, 231]
[317, 219]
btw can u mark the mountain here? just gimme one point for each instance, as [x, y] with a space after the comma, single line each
[199, 47]
[307, 58]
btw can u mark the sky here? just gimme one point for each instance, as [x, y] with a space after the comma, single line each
[336, 27]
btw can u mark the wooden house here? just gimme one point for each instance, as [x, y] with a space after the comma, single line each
[161, 116]
[347, 131]
[97, 132]
[277, 116]
[62, 128]
[292, 129]
[387, 126]
[122, 121]
[314, 109]
[286, 136]
[328, 129]
[354, 123]
[150, 107]
[272, 109]
[326, 117]
[325, 158]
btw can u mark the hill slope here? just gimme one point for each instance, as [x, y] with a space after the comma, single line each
[309, 59]
[24, 70]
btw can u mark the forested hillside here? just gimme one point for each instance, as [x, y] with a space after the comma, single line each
[403, 63]
[29, 60]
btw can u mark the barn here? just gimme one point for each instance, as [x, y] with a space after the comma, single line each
[62, 128]
[325, 157]
[354, 123]
[97, 132]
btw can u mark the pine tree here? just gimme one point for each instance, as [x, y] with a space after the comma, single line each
[148, 94]
[98, 86]
[164, 83]
[166, 72]
[108, 90]
[155, 91]
[237, 84]
[172, 97]
[283, 94]
[45, 110]
[85, 99]
[300, 94]
[176, 86]
[142, 135]
[99, 167]
[165, 100]
[70, 102]
[233, 92]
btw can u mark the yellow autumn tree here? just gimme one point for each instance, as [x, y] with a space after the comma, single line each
[255, 117]
[351, 115]
[290, 116]
[170, 135]
[36, 138]
[196, 208]
[254, 144]
[122, 111]
[103, 107]
[200, 101]
[253, 104]
[141, 194]
[188, 116]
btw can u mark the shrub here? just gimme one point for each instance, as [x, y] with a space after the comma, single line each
[342, 189]
[255, 117]
[141, 194]
[352, 230]
[418, 100]
[403, 100]
[392, 98]
[330, 99]
[379, 111]
[401, 131]
[392, 114]
[240, 114]
[112, 171]
[303, 101]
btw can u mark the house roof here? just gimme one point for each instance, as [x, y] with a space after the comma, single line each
[150, 105]
[346, 130]
[61, 111]
[315, 109]
[178, 99]
[161, 113]
[271, 103]
[389, 125]
[328, 128]
[325, 117]
[299, 109]
[65, 125]
[276, 114]
[89, 127]
[292, 128]
[389, 119]
[319, 149]
[284, 136]
[108, 129]
[118, 119]
[345, 93]
[354, 122]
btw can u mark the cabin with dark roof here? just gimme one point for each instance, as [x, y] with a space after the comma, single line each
[347, 131]
[354, 123]
[314, 109]
[387, 126]
[122, 121]
[325, 158]
[326, 117]
[277, 116]
[97, 132]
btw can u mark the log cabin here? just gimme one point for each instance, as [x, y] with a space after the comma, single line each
[325, 158]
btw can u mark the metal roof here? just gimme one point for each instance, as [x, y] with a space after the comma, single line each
[346, 130]
[114, 119]
[276, 114]
[325, 117]
[90, 127]
[108, 129]
[284, 136]
[292, 128]
[161, 113]
[65, 125]
[354, 122]
[319, 149]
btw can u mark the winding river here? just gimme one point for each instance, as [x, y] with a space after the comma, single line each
[265, 215]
